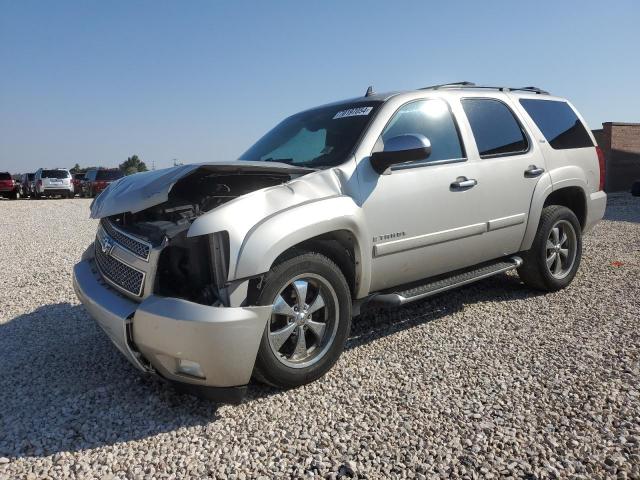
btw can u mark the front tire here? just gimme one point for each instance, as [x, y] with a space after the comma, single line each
[554, 257]
[310, 322]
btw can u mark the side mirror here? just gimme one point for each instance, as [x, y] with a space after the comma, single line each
[400, 149]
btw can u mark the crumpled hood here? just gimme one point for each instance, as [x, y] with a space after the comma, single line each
[140, 191]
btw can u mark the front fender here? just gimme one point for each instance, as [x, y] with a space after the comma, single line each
[276, 234]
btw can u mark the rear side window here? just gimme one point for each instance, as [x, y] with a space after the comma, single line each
[432, 119]
[495, 128]
[558, 123]
[55, 174]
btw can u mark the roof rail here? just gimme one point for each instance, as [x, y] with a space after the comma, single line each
[452, 84]
[490, 87]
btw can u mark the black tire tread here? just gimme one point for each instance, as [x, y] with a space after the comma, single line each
[531, 272]
[285, 262]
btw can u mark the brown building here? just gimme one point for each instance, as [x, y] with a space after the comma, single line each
[621, 145]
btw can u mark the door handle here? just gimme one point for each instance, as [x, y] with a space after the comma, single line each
[533, 171]
[463, 183]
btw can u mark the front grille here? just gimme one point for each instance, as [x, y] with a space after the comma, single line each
[117, 272]
[137, 247]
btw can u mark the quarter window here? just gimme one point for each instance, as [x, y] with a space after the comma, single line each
[558, 123]
[495, 128]
[433, 119]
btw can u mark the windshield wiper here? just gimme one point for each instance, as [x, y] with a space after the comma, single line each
[288, 161]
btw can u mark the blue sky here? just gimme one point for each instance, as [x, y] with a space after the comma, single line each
[94, 82]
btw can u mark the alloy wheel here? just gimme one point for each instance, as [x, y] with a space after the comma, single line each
[304, 323]
[561, 249]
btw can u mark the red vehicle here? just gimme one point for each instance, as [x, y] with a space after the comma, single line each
[97, 179]
[9, 188]
[77, 179]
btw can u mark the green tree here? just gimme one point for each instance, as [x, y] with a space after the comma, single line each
[132, 165]
[76, 168]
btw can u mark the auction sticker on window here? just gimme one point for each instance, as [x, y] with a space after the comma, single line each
[353, 112]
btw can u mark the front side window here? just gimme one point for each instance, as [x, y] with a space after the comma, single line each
[321, 137]
[495, 128]
[433, 119]
[558, 123]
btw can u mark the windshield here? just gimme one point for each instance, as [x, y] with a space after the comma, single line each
[322, 137]
[5, 176]
[78, 176]
[108, 175]
[55, 174]
[31, 176]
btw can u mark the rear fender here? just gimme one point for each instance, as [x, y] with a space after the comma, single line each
[569, 176]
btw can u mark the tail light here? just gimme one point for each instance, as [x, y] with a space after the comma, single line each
[601, 164]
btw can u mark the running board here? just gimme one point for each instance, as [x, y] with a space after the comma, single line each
[443, 284]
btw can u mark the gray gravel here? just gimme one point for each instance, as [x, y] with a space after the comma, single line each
[493, 380]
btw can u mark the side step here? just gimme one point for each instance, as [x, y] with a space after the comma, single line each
[442, 284]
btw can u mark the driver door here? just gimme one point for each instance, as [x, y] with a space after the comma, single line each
[422, 218]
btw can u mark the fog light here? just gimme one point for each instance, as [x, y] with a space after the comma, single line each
[190, 368]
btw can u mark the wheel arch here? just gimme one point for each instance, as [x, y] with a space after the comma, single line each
[332, 227]
[572, 197]
[571, 193]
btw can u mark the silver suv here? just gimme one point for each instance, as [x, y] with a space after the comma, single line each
[210, 274]
[50, 182]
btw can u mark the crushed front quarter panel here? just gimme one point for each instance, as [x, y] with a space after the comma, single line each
[240, 216]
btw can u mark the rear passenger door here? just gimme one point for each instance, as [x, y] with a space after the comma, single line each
[509, 165]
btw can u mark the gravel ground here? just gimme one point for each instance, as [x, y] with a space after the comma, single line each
[489, 381]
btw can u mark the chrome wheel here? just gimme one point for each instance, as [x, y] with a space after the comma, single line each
[303, 324]
[561, 249]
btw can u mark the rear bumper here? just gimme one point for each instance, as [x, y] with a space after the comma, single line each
[597, 204]
[171, 336]
[56, 191]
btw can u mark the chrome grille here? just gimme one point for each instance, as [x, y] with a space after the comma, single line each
[135, 246]
[117, 272]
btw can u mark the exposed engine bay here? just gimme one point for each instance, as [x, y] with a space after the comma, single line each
[192, 268]
[198, 193]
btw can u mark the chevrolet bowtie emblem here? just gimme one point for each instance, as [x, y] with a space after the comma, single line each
[107, 244]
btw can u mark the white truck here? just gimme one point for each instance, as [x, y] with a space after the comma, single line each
[210, 274]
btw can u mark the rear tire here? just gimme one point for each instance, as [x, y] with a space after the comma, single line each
[554, 257]
[305, 335]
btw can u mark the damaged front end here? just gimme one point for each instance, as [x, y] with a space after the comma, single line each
[161, 295]
[152, 252]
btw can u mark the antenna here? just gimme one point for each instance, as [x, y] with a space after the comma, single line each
[369, 91]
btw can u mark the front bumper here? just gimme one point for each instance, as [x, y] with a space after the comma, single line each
[163, 334]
